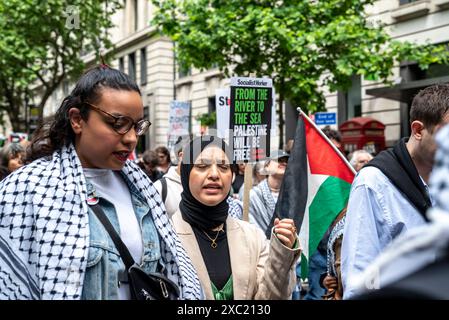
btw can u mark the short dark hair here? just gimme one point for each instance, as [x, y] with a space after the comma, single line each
[430, 105]
[150, 157]
[331, 133]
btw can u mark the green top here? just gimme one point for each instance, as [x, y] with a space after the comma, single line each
[226, 293]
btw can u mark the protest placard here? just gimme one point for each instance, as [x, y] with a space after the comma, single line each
[179, 121]
[222, 106]
[250, 118]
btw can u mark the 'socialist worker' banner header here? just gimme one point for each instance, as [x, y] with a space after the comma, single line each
[250, 118]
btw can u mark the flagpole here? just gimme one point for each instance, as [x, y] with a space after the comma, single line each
[327, 139]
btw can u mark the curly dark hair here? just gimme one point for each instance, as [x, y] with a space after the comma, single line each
[57, 131]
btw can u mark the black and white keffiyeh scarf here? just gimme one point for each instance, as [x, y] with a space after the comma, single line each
[439, 179]
[44, 232]
[263, 198]
[336, 233]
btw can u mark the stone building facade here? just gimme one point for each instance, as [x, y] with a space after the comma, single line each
[150, 58]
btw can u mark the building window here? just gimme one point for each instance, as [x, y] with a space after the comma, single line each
[412, 72]
[136, 14]
[183, 71]
[211, 109]
[350, 102]
[121, 64]
[401, 2]
[132, 66]
[143, 66]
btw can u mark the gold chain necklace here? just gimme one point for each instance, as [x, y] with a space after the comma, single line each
[214, 243]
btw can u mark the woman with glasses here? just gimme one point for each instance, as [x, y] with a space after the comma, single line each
[233, 258]
[52, 244]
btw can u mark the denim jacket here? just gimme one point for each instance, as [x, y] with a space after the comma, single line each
[104, 263]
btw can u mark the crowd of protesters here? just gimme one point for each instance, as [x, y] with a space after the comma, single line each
[183, 218]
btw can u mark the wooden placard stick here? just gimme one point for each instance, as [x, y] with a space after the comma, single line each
[247, 185]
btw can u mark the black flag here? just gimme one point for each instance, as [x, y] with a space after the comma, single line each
[293, 194]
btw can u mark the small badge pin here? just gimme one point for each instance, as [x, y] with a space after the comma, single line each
[92, 199]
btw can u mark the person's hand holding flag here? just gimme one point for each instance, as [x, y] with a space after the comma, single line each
[315, 188]
[285, 231]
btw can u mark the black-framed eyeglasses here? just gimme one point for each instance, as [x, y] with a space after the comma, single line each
[122, 124]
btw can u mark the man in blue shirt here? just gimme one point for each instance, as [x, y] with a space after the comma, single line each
[390, 195]
[415, 264]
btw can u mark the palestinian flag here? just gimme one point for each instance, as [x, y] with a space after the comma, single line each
[315, 188]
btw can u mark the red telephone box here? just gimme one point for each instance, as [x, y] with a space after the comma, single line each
[363, 133]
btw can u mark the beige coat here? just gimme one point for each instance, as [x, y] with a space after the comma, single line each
[260, 269]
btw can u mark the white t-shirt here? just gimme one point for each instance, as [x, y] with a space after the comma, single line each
[111, 186]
